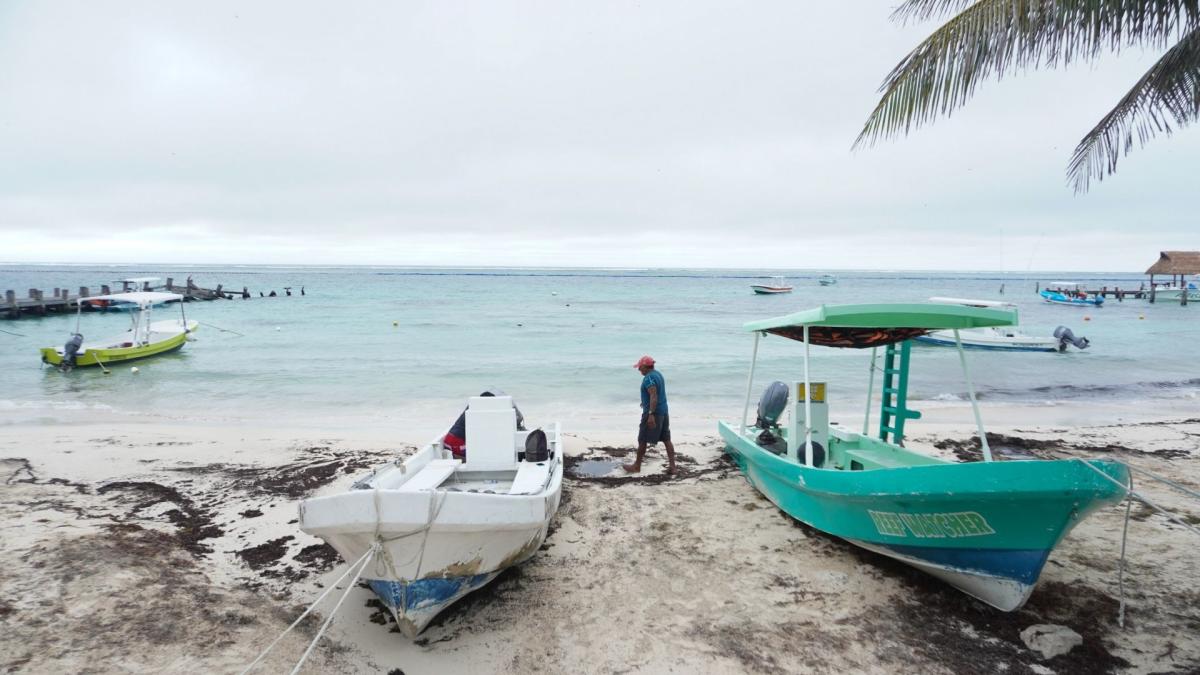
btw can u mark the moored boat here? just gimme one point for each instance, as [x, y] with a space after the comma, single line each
[1001, 338]
[1070, 293]
[987, 528]
[445, 527]
[827, 280]
[777, 285]
[143, 339]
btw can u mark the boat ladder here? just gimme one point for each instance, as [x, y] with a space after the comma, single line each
[894, 411]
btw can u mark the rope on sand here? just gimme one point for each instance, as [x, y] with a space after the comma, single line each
[363, 560]
[1130, 496]
[366, 560]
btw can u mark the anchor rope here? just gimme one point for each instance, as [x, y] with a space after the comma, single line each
[1140, 497]
[306, 612]
[1130, 495]
[329, 619]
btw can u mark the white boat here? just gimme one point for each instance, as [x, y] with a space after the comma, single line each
[1001, 338]
[1169, 292]
[777, 285]
[446, 527]
[827, 280]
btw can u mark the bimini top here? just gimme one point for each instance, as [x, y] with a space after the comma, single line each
[141, 298]
[875, 325]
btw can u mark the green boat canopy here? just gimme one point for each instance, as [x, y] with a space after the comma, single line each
[875, 325]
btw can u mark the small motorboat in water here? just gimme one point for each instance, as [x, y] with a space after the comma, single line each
[1001, 338]
[144, 337]
[777, 285]
[827, 280]
[445, 527]
[1070, 293]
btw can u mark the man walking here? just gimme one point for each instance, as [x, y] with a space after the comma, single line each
[655, 425]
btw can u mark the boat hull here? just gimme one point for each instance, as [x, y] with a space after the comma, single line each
[1056, 298]
[107, 357]
[770, 290]
[985, 528]
[1026, 344]
[437, 545]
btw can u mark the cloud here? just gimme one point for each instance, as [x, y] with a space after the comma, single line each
[708, 134]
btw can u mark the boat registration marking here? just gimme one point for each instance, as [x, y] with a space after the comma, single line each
[931, 525]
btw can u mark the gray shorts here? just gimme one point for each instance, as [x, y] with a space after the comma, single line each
[660, 432]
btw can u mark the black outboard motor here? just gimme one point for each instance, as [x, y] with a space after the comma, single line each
[771, 405]
[71, 350]
[1066, 337]
[536, 447]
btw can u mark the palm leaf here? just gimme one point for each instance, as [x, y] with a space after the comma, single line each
[994, 37]
[1166, 97]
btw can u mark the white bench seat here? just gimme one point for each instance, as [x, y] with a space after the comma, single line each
[530, 478]
[430, 476]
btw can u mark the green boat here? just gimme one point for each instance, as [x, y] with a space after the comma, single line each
[144, 338]
[984, 527]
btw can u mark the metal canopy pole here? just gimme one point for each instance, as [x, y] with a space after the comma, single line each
[983, 442]
[808, 449]
[870, 390]
[750, 383]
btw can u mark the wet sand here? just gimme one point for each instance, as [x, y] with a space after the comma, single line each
[173, 548]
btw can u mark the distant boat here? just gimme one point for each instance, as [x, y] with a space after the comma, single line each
[445, 527]
[827, 280]
[985, 527]
[777, 285]
[1070, 293]
[144, 338]
[1000, 338]
[1173, 292]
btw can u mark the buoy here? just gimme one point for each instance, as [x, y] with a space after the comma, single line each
[1141, 317]
[395, 323]
[553, 292]
[1087, 318]
[133, 369]
[277, 328]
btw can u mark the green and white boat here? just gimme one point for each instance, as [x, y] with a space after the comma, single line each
[985, 527]
[143, 339]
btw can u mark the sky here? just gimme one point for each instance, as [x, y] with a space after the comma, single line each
[557, 133]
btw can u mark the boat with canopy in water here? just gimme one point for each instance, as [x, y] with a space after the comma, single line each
[985, 527]
[144, 337]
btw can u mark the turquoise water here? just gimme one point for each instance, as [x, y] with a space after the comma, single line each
[559, 340]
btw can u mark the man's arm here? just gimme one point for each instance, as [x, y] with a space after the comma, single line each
[652, 390]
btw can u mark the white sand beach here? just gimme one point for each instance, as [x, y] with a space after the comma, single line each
[167, 546]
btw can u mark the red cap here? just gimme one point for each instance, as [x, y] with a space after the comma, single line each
[644, 361]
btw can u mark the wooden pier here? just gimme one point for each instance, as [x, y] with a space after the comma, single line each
[38, 303]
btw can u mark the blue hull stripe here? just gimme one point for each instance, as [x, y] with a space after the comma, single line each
[423, 593]
[1023, 565]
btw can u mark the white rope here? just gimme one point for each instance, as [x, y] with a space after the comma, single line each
[306, 613]
[983, 441]
[1141, 498]
[1121, 564]
[329, 619]
[1160, 479]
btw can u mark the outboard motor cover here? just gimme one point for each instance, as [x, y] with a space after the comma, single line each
[71, 349]
[537, 449]
[1065, 337]
[771, 405]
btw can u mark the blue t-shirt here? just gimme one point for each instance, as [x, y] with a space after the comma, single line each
[654, 379]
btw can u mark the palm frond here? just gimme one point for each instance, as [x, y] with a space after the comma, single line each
[1165, 98]
[994, 37]
[923, 10]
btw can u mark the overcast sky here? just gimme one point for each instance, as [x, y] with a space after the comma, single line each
[676, 134]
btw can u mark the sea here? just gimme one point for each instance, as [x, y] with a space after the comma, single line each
[405, 347]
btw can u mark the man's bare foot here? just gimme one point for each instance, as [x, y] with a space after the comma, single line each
[632, 468]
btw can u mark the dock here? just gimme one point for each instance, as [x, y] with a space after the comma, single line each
[37, 302]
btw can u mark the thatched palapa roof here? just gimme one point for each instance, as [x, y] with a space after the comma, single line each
[1176, 262]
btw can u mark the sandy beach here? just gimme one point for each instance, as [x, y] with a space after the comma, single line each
[157, 546]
